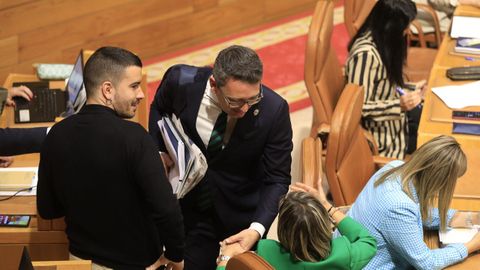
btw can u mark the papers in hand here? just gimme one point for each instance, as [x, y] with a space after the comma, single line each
[457, 235]
[190, 164]
[459, 96]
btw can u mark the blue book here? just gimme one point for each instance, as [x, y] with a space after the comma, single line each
[468, 45]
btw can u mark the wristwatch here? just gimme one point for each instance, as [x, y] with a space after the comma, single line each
[222, 258]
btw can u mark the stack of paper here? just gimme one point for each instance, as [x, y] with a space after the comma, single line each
[190, 164]
[459, 96]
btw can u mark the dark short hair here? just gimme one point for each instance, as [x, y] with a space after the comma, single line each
[107, 64]
[238, 63]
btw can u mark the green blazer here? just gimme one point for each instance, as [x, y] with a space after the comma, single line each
[353, 250]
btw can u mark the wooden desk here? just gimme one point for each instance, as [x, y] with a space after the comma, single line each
[45, 239]
[436, 120]
[63, 265]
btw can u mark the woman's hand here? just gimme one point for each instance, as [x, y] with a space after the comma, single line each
[229, 250]
[463, 219]
[474, 244]
[20, 91]
[318, 193]
[411, 99]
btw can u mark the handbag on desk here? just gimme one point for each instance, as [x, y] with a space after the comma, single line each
[464, 73]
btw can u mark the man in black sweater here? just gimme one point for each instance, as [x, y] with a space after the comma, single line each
[104, 175]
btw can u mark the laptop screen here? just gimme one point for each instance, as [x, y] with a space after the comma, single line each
[75, 87]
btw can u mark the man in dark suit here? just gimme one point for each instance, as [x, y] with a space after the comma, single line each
[17, 141]
[103, 174]
[248, 164]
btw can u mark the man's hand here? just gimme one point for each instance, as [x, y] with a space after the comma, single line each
[169, 264]
[6, 161]
[20, 91]
[246, 238]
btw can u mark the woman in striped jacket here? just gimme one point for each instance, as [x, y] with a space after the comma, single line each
[377, 54]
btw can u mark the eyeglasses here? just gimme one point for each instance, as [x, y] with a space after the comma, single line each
[239, 103]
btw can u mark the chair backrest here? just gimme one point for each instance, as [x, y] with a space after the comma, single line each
[355, 12]
[248, 261]
[426, 26]
[349, 161]
[323, 74]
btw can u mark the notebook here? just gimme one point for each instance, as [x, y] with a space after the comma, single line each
[467, 45]
[47, 104]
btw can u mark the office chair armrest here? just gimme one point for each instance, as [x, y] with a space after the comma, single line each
[312, 169]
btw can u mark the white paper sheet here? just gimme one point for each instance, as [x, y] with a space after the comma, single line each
[457, 235]
[459, 96]
[465, 27]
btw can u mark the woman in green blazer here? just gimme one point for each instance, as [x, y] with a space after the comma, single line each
[305, 235]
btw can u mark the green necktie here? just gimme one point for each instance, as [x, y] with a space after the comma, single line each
[216, 139]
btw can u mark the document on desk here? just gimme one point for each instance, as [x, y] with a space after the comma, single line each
[457, 235]
[459, 96]
[464, 26]
[190, 165]
[14, 179]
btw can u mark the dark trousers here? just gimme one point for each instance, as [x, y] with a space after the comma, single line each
[413, 118]
[203, 231]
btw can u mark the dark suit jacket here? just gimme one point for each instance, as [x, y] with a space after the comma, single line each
[17, 141]
[252, 172]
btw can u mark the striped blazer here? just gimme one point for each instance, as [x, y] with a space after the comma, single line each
[381, 113]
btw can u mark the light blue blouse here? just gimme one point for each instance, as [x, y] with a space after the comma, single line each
[394, 219]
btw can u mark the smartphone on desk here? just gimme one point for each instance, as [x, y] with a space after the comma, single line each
[14, 220]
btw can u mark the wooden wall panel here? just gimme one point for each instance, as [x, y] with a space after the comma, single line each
[8, 48]
[50, 31]
[99, 25]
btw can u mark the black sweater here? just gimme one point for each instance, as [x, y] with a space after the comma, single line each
[105, 176]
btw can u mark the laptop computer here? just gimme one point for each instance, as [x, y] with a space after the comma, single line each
[47, 104]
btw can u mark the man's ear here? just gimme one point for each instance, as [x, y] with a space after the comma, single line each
[213, 83]
[107, 90]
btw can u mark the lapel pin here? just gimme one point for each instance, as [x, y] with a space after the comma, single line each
[255, 112]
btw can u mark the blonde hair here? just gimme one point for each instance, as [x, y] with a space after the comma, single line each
[304, 228]
[433, 169]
